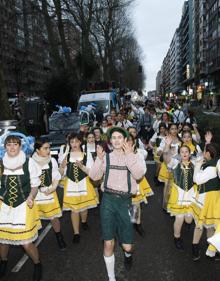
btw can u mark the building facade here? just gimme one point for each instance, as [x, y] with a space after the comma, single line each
[175, 64]
[198, 55]
[24, 51]
[213, 46]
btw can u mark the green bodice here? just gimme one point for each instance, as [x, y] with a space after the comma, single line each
[46, 176]
[15, 189]
[183, 176]
[74, 172]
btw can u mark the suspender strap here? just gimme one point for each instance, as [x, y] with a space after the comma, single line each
[129, 181]
[107, 170]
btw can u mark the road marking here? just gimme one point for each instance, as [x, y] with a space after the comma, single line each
[150, 162]
[25, 257]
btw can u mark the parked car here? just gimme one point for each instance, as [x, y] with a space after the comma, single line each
[61, 124]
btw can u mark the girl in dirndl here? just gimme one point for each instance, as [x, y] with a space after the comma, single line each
[90, 145]
[19, 220]
[187, 139]
[47, 199]
[164, 174]
[154, 144]
[206, 207]
[79, 193]
[182, 189]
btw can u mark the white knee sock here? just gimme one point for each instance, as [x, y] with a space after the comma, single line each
[110, 266]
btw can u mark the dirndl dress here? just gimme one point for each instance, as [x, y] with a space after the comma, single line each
[79, 193]
[19, 224]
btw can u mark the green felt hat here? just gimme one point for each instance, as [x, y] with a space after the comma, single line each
[119, 130]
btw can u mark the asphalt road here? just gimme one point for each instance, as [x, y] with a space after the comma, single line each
[155, 257]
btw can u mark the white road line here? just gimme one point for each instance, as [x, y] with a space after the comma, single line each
[150, 162]
[25, 257]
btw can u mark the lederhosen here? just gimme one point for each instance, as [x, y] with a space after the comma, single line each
[115, 216]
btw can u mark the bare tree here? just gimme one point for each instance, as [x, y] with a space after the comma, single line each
[5, 109]
[53, 45]
[81, 13]
[110, 25]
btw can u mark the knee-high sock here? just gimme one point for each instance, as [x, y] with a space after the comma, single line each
[110, 266]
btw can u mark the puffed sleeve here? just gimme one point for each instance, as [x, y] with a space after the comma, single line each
[154, 138]
[172, 164]
[162, 146]
[55, 171]
[35, 173]
[90, 160]
[202, 176]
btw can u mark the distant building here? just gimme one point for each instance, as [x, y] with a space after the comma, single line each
[186, 44]
[159, 83]
[165, 73]
[175, 64]
[213, 46]
[151, 95]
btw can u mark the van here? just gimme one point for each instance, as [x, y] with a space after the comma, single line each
[103, 101]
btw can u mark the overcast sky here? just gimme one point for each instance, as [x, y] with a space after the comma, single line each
[155, 22]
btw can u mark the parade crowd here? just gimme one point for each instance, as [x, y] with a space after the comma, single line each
[105, 164]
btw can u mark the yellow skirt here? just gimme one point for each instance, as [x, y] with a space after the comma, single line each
[164, 174]
[51, 210]
[179, 202]
[21, 235]
[82, 202]
[144, 191]
[206, 212]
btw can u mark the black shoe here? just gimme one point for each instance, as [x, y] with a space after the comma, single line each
[60, 241]
[195, 252]
[37, 276]
[85, 226]
[178, 243]
[215, 258]
[139, 229]
[128, 262]
[76, 238]
[188, 226]
[3, 268]
[165, 211]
